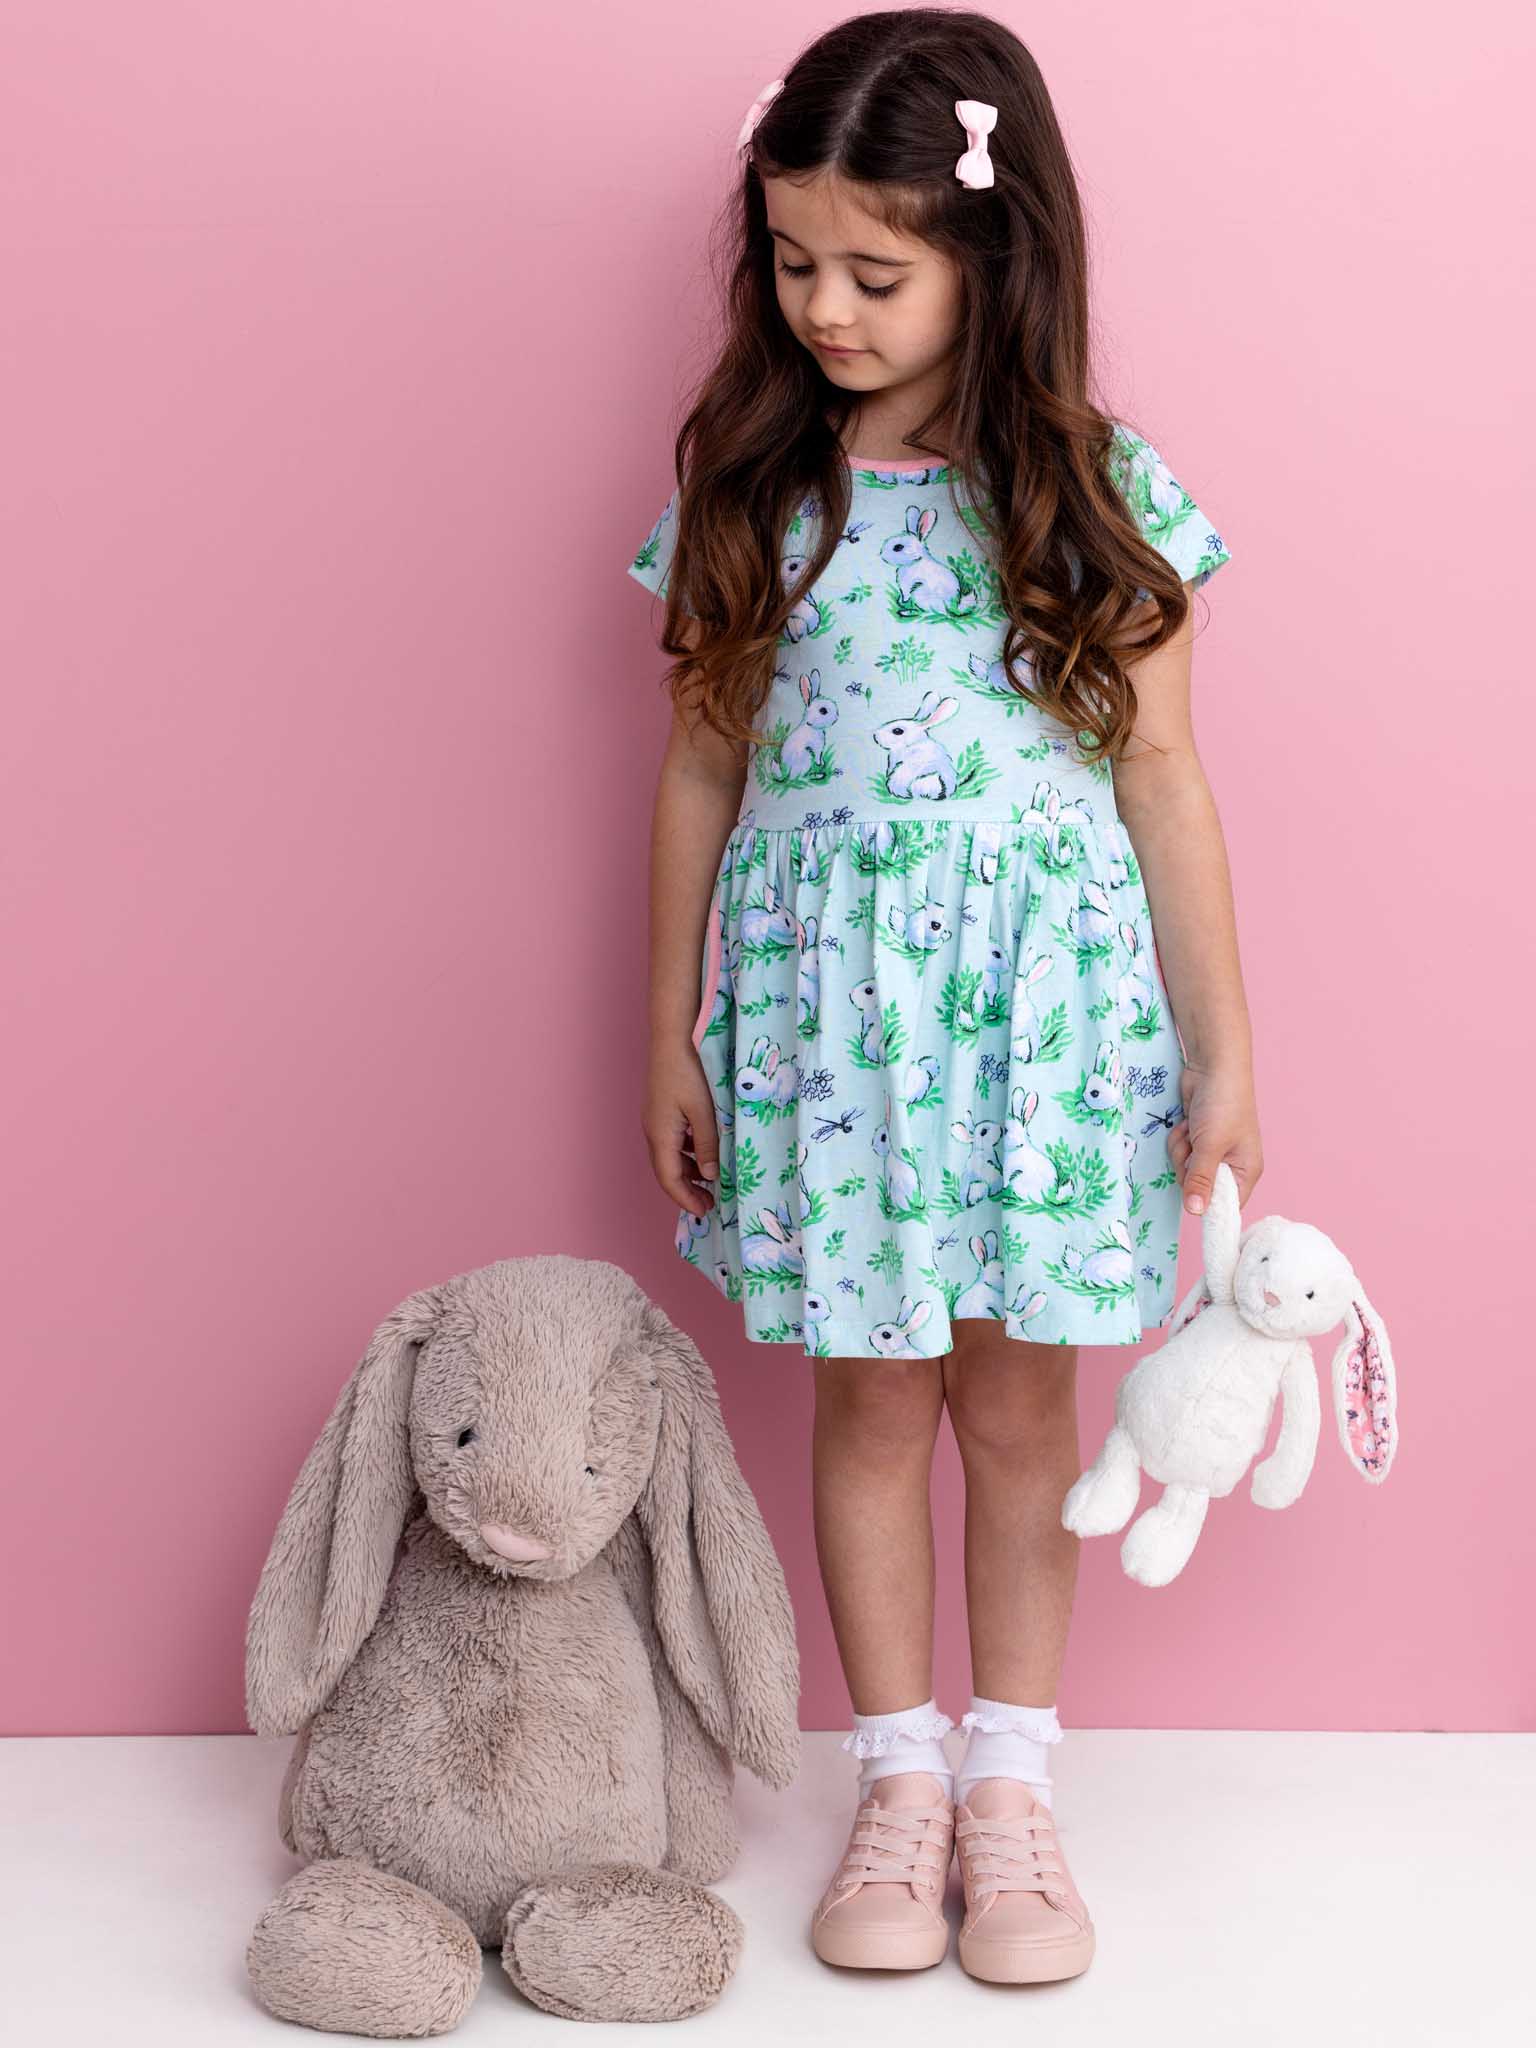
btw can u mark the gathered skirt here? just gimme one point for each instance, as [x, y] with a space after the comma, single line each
[944, 1070]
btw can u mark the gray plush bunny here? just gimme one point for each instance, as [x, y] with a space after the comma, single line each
[522, 1612]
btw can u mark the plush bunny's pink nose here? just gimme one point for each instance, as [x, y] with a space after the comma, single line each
[1271, 1300]
[512, 1544]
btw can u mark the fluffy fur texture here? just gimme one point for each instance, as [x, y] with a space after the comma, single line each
[1195, 1413]
[529, 1755]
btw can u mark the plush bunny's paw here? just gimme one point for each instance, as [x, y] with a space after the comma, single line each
[1160, 1542]
[1271, 1487]
[1102, 1500]
[349, 1949]
[620, 1942]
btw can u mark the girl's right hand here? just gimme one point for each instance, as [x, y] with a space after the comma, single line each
[679, 1125]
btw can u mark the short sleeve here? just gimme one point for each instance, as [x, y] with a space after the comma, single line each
[654, 556]
[1168, 517]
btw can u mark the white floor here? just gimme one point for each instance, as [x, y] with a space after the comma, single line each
[1246, 1888]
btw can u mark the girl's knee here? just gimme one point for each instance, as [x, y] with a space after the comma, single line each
[1004, 1395]
[895, 1398]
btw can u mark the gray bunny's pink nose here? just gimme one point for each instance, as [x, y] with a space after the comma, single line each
[512, 1544]
[1271, 1300]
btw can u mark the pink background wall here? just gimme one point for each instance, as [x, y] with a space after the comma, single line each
[341, 367]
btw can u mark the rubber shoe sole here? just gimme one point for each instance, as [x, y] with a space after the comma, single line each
[876, 1948]
[1026, 1962]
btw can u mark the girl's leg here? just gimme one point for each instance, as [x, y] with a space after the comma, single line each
[877, 1420]
[1013, 1408]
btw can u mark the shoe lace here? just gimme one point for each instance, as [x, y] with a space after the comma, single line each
[888, 1843]
[1020, 1854]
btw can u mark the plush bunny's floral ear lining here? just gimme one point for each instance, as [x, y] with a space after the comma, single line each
[1365, 1391]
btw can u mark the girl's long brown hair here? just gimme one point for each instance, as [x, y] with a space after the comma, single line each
[873, 100]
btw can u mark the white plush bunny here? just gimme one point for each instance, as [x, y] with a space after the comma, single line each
[1194, 1414]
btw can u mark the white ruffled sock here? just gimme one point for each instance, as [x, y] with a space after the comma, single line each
[908, 1741]
[1007, 1741]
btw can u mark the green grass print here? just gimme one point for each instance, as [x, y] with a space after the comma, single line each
[1055, 1036]
[886, 1259]
[1080, 1111]
[1088, 950]
[893, 1038]
[1146, 1024]
[1041, 749]
[973, 772]
[1069, 855]
[768, 764]
[888, 1209]
[950, 1289]
[1083, 1171]
[761, 1111]
[741, 1175]
[977, 579]
[1010, 701]
[958, 1010]
[780, 1278]
[912, 844]
[1087, 1290]
[904, 948]
[907, 661]
[884, 480]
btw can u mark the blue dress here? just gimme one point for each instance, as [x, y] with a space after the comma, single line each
[942, 1058]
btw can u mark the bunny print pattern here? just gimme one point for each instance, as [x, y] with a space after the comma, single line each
[941, 1053]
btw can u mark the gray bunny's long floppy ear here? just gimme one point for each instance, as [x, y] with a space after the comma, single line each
[324, 1579]
[722, 1609]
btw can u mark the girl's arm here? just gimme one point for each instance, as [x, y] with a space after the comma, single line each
[1170, 815]
[698, 796]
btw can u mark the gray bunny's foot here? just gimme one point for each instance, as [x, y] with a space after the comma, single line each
[349, 1949]
[620, 1942]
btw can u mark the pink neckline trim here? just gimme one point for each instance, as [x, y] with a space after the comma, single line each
[868, 462]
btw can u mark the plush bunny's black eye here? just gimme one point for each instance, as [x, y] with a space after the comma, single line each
[1310, 1292]
[466, 1436]
[589, 1471]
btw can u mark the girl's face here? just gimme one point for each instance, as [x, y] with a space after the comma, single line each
[844, 279]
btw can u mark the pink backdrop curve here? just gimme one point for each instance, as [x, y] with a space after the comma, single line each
[340, 379]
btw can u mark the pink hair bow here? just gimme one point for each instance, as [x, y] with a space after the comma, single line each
[756, 111]
[978, 119]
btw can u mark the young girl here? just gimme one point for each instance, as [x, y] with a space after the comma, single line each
[930, 772]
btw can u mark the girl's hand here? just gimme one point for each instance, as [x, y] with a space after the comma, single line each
[679, 1124]
[1220, 1123]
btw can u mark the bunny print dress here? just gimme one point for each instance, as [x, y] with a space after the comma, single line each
[932, 1019]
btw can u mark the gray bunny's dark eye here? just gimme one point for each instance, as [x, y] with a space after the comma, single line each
[466, 1436]
[591, 1474]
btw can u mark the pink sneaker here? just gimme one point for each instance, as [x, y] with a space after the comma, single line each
[1025, 1921]
[884, 1910]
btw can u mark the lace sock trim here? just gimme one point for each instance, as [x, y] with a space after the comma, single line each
[879, 1734]
[996, 1717]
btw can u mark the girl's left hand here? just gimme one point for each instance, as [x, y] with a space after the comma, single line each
[1221, 1122]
